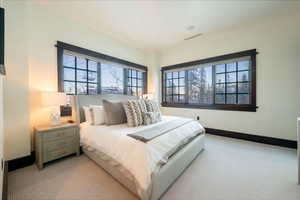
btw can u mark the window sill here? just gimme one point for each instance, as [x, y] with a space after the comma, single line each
[231, 107]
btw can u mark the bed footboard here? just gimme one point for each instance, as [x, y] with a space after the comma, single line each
[168, 174]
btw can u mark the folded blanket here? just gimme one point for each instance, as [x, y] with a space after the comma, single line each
[160, 129]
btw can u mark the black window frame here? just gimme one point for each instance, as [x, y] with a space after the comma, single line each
[251, 107]
[61, 47]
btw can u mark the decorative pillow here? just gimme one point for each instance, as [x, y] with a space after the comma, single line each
[152, 106]
[137, 107]
[133, 112]
[142, 105]
[87, 114]
[151, 117]
[114, 113]
[98, 115]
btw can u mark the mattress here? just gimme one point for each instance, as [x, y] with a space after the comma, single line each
[136, 160]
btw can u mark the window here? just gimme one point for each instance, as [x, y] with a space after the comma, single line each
[135, 82]
[225, 82]
[175, 86]
[80, 75]
[112, 79]
[200, 88]
[82, 71]
[232, 83]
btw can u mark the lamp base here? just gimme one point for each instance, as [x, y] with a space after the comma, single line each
[55, 119]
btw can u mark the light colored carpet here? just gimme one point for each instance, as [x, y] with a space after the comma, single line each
[228, 169]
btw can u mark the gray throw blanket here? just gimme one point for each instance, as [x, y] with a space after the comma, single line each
[160, 129]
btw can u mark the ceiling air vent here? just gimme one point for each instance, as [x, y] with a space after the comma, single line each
[194, 36]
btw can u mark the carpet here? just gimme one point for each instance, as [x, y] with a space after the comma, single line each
[228, 169]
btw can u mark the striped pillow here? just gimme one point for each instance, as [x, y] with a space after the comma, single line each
[142, 105]
[151, 117]
[152, 106]
[153, 113]
[133, 112]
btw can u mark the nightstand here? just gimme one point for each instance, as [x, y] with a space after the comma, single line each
[54, 142]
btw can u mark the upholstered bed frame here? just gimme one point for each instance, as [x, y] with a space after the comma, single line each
[166, 175]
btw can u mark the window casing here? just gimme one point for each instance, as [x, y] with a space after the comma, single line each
[225, 82]
[85, 72]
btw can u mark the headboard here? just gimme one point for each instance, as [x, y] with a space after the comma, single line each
[85, 100]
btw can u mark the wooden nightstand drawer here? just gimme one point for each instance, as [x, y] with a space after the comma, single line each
[59, 135]
[59, 144]
[52, 155]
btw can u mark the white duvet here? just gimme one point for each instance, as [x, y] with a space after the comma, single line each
[140, 158]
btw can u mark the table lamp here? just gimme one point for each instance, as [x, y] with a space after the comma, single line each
[54, 100]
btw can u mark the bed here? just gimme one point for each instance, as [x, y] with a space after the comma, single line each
[131, 168]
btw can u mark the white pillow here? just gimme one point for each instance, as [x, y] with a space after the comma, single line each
[98, 115]
[87, 114]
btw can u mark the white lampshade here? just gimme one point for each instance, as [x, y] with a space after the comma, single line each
[53, 99]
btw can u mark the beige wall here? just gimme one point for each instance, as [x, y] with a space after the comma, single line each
[32, 32]
[278, 43]
[16, 91]
[152, 62]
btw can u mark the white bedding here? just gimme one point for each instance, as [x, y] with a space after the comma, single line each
[140, 158]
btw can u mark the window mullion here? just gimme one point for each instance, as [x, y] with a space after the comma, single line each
[237, 83]
[172, 88]
[99, 89]
[165, 85]
[214, 83]
[75, 75]
[178, 89]
[225, 83]
[145, 82]
[87, 76]
[125, 77]
[186, 81]
[60, 70]
[131, 86]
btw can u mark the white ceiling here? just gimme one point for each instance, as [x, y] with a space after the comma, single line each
[159, 24]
